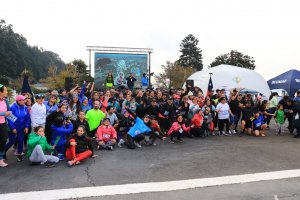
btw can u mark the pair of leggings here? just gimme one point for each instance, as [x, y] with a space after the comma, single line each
[3, 139]
[131, 140]
[12, 138]
[197, 132]
[38, 155]
[223, 122]
[71, 153]
[106, 144]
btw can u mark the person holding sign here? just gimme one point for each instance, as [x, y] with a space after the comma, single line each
[4, 113]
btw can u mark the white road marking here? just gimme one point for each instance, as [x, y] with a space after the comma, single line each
[136, 188]
[275, 197]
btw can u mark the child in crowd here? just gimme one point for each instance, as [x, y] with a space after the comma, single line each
[106, 136]
[279, 117]
[259, 124]
[207, 125]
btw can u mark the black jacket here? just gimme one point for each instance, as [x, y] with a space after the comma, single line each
[83, 143]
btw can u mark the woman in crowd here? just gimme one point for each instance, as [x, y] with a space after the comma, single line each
[81, 121]
[73, 108]
[106, 135]
[38, 112]
[79, 147]
[196, 124]
[51, 105]
[62, 109]
[4, 112]
[60, 131]
[178, 129]
[85, 106]
[223, 111]
[19, 128]
[37, 146]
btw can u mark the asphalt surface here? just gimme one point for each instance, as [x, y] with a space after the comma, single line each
[286, 189]
[194, 158]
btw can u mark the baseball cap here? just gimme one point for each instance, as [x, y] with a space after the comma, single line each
[39, 96]
[20, 98]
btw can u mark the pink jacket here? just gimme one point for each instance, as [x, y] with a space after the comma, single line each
[106, 133]
[175, 127]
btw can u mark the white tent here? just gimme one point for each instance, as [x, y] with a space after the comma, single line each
[229, 77]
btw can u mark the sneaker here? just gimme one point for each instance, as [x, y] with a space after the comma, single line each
[109, 148]
[61, 157]
[234, 132]
[226, 134]
[20, 158]
[71, 163]
[48, 164]
[137, 144]
[121, 142]
[229, 132]
[3, 164]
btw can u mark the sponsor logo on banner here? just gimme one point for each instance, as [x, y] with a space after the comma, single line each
[297, 80]
[278, 82]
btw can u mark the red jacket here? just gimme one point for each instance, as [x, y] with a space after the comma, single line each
[106, 133]
[197, 120]
[175, 127]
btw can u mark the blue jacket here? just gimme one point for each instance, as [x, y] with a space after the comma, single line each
[145, 81]
[60, 134]
[138, 128]
[50, 109]
[22, 113]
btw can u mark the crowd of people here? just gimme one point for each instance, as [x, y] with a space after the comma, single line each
[71, 125]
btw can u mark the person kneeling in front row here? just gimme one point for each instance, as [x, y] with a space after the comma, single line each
[37, 145]
[79, 147]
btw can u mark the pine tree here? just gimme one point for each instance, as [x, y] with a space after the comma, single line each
[191, 55]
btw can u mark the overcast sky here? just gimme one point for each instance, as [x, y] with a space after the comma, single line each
[267, 30]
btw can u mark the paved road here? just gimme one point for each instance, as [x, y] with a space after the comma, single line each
[287, 189]
[195, 158]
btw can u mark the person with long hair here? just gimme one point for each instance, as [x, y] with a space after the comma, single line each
[79, 147]
[73, 108]
[4, 112]
[178, 129]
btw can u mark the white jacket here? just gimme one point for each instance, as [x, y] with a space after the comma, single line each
[38, 115]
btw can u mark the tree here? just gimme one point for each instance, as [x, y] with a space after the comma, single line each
[191, 55]
[172, 75]
[16, 54]
[234, 58]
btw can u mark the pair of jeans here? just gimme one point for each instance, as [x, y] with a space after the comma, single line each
[131, 140]
[12, 138]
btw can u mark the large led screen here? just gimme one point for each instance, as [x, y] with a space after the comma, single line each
[120, 65]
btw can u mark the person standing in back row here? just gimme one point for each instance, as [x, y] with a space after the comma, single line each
[130, 81]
